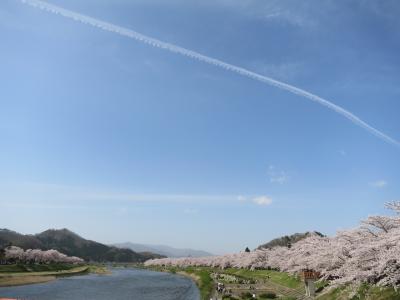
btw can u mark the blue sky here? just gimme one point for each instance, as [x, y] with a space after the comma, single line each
[120, 141]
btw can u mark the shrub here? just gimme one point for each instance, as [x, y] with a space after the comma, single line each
[269, 295]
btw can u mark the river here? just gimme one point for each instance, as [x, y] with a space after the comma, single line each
[121, 284]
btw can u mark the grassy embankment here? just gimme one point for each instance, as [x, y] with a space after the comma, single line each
[202, 277]
[287, 286]
[280, 285]
[280, 278]
[21, 274]
[364, 292]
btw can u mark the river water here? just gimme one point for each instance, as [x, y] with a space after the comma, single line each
[121, 284]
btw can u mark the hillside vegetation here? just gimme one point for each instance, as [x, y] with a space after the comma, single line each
[288, 240]
[71, 244]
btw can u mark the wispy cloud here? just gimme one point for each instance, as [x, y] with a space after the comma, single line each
[297, 14]
[342, 153]
[190, 211]
[379, 184]
[262, 200]
[276, 175]
[241, 198]
[211, 61]
[286, 15]
[48, 195]
[387, 10]
[259, 200]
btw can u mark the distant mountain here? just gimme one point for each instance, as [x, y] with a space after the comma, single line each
[288, 240]
[71, 244]
[164, 250]
[8, 237]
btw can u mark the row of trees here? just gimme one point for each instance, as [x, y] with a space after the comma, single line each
[15, 254]
[369, 253]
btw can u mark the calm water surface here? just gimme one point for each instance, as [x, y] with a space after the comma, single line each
[122, 284]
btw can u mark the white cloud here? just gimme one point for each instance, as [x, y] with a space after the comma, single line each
[259, 200]
[379, 184]
[342, 153]
[262, 200]
[50, 195]
[277, 176]
[241, 198]
[298, 14]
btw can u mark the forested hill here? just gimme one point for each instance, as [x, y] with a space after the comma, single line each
[288, 240]
[71, 244]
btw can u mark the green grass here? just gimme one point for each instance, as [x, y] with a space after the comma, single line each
[268, 296]
[34, 268]
[364, 292]
[12, 268]
[246, 295]
[201, 276]
[281, 278]
[43, 272]
[99, 269]
[225, 297]
[50, 269]
[205, 283]
[11, 275]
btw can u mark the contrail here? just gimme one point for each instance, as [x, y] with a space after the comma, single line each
[209, 60]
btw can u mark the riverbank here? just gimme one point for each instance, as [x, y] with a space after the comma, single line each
[203, 281]
[14, 275]
[200, 276]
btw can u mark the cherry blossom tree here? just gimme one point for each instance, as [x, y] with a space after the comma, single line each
[16, 254]
[369, 253]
